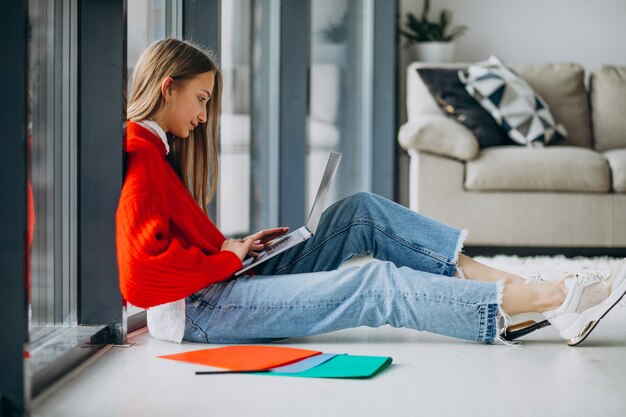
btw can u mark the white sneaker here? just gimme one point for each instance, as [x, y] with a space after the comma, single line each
[589, 299]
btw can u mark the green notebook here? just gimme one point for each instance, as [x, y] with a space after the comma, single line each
[343, 366]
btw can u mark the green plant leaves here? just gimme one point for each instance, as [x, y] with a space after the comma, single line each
[424, 30]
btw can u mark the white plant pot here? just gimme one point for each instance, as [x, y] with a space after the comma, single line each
[433, 52]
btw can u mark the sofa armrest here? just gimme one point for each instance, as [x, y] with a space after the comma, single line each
[439, 135]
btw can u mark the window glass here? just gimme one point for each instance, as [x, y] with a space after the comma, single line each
[249, 154]
[234, 205]
[149, 21]
[51, 270]
[340, 95]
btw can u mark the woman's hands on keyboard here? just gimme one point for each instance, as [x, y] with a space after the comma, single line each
[251, 245]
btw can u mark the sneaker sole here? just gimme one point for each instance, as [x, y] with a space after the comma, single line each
[575, 341]
[513, 333]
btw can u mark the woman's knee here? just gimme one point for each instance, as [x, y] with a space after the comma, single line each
[364, 196]
[378, 273]
[361, 199]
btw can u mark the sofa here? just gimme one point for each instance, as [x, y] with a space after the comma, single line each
[570, 194]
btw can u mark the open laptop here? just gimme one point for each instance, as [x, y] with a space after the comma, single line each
[296, 237]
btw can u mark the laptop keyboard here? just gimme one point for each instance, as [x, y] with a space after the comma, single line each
[282, 243]
[278, 245]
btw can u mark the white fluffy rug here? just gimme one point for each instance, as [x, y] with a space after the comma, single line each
[548, 267]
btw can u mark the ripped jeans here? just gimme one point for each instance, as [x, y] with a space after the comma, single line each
[301, 292]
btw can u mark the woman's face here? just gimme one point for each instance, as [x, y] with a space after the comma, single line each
[187, 103]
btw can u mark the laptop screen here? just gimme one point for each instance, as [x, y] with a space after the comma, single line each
[322, 193]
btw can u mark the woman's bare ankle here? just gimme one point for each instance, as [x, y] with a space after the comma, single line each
[553, 294]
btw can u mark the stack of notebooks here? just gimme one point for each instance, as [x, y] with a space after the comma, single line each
[283, 361]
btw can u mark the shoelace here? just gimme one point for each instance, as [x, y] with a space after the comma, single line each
[586, 277]
[536, 277]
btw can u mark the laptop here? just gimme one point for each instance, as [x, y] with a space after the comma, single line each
[296, 237]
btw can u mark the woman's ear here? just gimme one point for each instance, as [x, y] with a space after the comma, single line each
[166, 86]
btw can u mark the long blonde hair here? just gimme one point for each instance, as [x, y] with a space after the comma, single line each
[180, 60]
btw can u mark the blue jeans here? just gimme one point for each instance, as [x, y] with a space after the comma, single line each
[300, 292]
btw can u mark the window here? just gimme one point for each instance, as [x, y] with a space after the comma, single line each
[234, 198]
[249, 133]
[340, 90]
[149, 21]
[73, 167]
[52, 166]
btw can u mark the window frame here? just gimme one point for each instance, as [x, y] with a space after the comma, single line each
[32, 368]
[385, 90]
[99, 135]
[14, 316]
[295, 20]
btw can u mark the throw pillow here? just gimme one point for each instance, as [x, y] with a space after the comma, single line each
[455, 102]
[521, 112]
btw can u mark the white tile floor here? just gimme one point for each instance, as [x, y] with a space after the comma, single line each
[430, 376]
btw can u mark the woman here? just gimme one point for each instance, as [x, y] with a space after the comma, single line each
[171, 255]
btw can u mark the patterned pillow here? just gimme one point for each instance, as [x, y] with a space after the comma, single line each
[521, 112]
[456, 103]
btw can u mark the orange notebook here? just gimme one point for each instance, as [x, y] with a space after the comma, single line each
[244, 358]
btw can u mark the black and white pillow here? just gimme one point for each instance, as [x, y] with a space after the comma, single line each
[521, 112]
[456, 103]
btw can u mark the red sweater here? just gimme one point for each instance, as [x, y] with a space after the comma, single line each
[167, 247]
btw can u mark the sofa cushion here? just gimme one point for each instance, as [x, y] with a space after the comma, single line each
[435, 133]
[456, 103]
[617, 161]
[556, 168]
[608, 101]
[562, 86]
[512, 102]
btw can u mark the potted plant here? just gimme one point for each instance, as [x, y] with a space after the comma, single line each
[431, 40]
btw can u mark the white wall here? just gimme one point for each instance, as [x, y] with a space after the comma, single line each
[533, 31]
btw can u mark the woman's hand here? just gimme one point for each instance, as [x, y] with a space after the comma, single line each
[250, 245]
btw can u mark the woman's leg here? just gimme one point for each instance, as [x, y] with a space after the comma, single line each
[532, 298]
[260, 309]
[471, 269]
[365, 223]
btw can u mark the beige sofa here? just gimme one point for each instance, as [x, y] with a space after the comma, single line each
[570, 194]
